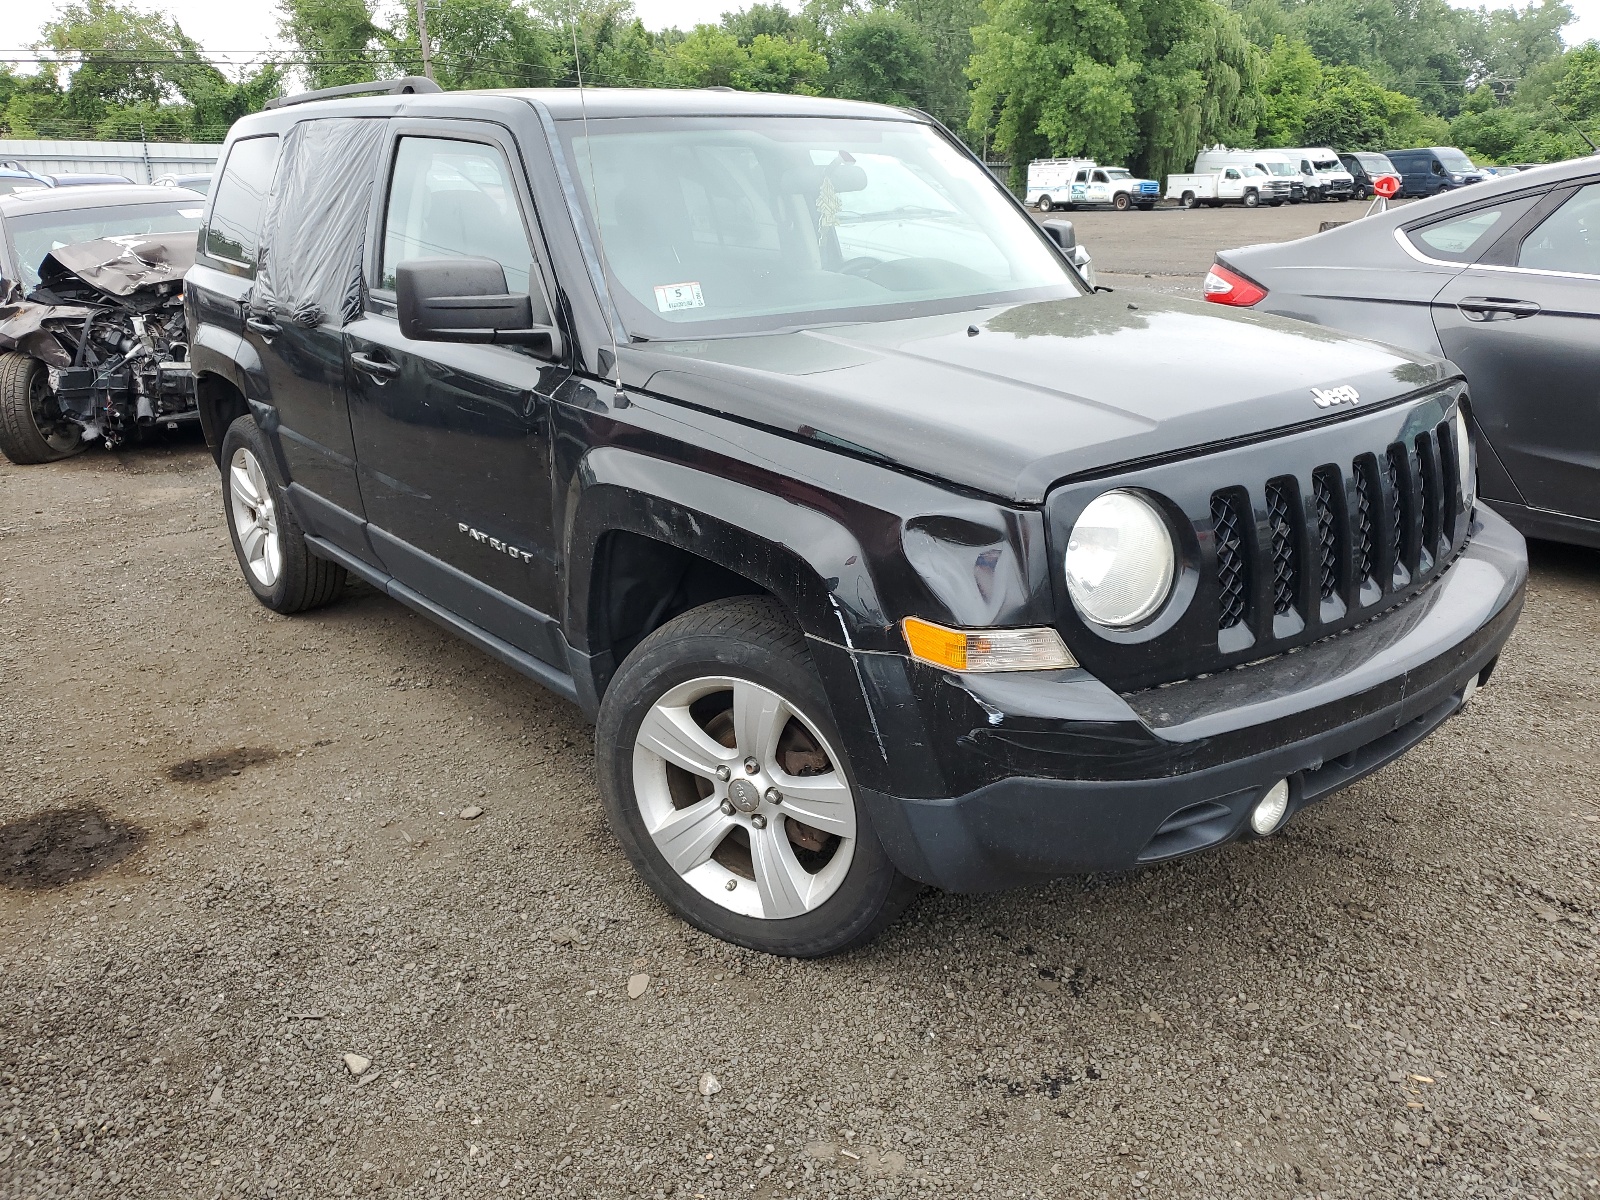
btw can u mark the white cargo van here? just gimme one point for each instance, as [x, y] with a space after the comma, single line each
[1074, 182]
[1322, 173]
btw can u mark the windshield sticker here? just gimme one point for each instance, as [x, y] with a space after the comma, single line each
[190, 213]
[828, 204]
[673, 297]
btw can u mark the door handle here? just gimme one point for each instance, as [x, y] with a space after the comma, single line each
[1493, 308]
[266, 328]
[380, 370]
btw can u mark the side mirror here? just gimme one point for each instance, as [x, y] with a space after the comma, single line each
[465, 300]
[1062, 234]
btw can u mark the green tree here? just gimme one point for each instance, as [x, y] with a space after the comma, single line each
[1145, 83]
[1349, 112]
[1290, 78]
[479, 44]
[946, 28]
[340, 40]
[774, 20]
[707, 57]
[880, 56]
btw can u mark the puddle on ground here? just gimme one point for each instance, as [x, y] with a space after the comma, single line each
[219, 766]
[63, 845]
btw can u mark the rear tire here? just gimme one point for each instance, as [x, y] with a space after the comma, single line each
[28, 434]
[1045, 204]
[1147, 206]
[271, 547]
[1188, 200]
[709, 692]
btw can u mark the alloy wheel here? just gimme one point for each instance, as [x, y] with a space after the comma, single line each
[255, 518]
[60, 434]
[744, 798]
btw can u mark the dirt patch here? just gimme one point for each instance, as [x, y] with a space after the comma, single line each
[220, 766]
[63, 845]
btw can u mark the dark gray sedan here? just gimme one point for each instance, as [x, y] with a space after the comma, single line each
[1504, 279]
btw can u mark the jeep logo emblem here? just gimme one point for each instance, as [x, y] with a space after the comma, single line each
[1333, 396]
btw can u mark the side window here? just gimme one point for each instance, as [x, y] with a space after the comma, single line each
[1230, 173]
[1438, 167]
[1569, 238]
[241, 195]
[1082, 177]
[1465, 236]
[450, 199]
[1100, 177]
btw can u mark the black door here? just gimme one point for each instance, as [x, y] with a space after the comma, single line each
[1527, 333]
[309, 266]
[453, 440]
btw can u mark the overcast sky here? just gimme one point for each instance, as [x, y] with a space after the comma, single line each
[252, 25]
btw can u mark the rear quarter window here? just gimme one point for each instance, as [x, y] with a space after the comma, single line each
[1464, 237]
[242, 191]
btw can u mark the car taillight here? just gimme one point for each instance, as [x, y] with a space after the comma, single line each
[1229, 287]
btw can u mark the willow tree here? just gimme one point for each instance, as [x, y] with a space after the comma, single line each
[1140, 82]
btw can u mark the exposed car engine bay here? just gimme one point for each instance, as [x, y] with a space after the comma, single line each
[106, 320]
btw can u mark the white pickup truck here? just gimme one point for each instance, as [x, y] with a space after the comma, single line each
[1232, 185]
[1076, 182]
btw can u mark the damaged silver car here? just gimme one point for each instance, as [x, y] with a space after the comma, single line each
[92, 342]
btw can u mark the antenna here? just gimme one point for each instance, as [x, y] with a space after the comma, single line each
[594, 203]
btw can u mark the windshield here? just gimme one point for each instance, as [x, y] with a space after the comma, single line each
[711, 225]
[34, 235]
[1376, 164]
[1327, 164]
[1456, 162]
[1278, 168]
[1118, 173]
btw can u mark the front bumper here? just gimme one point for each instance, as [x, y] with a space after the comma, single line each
[1124, 781]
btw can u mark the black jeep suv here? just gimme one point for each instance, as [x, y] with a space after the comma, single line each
[774, 434]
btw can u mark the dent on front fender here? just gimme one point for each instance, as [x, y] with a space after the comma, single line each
[985, 565]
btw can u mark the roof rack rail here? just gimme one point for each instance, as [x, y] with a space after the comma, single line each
[411, 84]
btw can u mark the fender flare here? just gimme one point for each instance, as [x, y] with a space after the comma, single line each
[809, 561]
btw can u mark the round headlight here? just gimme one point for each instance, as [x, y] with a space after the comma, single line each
[1120, 560]
[1469, 477]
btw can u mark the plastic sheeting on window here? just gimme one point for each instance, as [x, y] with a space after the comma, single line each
[314, 232]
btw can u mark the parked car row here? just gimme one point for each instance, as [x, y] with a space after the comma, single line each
[16, 178]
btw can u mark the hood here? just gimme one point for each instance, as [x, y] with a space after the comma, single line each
[120, 266]
[1039, 392]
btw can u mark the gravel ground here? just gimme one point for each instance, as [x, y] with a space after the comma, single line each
[1396, 996]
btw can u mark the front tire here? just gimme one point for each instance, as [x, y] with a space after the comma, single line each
[270, 545]
[1252, 199]
[1122, 202]
[782, 858]
[32, 430]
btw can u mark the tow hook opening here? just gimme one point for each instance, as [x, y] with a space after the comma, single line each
[1269, 812]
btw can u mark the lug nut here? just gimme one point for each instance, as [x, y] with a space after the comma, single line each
[773, 796]
[727, 808]
[731, 884]
[724, 774]
[758, 821]
[751, 766]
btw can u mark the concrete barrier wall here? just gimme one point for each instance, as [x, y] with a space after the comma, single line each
[142, 162]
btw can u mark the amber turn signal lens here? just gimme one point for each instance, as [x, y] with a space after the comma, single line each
[986, 649]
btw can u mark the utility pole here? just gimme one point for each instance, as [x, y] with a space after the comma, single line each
[422, 34]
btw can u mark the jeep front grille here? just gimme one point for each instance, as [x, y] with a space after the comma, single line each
[1321, 547]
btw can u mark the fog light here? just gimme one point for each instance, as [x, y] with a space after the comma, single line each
[1267, 815]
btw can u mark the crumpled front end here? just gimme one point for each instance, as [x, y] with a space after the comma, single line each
[107, 321]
